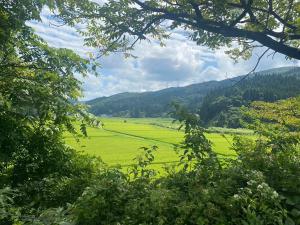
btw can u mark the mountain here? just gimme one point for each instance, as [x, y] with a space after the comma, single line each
[150, 104]
[157, 103]
[221, 107]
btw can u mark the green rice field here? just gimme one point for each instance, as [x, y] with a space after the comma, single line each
[120, 139]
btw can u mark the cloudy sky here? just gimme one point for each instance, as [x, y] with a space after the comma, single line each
[179, 63]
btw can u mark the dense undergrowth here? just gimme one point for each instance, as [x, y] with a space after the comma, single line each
[261, 186]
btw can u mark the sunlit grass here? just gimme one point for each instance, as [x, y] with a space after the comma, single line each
[118, 142]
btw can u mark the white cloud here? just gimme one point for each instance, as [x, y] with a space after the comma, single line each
[180, 63]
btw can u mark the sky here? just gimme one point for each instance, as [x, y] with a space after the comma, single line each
[181, 62]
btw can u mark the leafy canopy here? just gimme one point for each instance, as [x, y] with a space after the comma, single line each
[38, 94]
[117, 25]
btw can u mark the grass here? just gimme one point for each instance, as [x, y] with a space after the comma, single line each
[118, 142]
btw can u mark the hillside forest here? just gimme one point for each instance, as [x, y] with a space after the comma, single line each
[217, 102]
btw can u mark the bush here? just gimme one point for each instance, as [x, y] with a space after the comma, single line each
[260, 186]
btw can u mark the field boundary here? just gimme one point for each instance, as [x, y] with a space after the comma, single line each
[137, 136]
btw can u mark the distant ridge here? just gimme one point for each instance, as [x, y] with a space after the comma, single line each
[157, 103]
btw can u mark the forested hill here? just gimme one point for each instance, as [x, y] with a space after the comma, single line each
[151, 104]
[268, 85]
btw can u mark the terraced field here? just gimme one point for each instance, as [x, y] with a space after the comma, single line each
[118, 142]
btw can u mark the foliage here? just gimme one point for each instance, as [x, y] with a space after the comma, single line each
[140, 169]
[281, 114]
[278, 122]
[38, 95]
[118, 25]
[45, 182]
[221, 107]
[195, 146]
[259, 187]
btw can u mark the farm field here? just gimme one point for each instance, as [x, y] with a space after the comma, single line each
[118, 142]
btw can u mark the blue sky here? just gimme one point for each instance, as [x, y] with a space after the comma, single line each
[179, 63]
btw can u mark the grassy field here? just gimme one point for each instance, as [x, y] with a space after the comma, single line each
[118, 142]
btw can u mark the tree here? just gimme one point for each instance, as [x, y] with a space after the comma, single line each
[38, 103]
[119, 25]
[278, 122]
[38, 94]
[221, 106]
